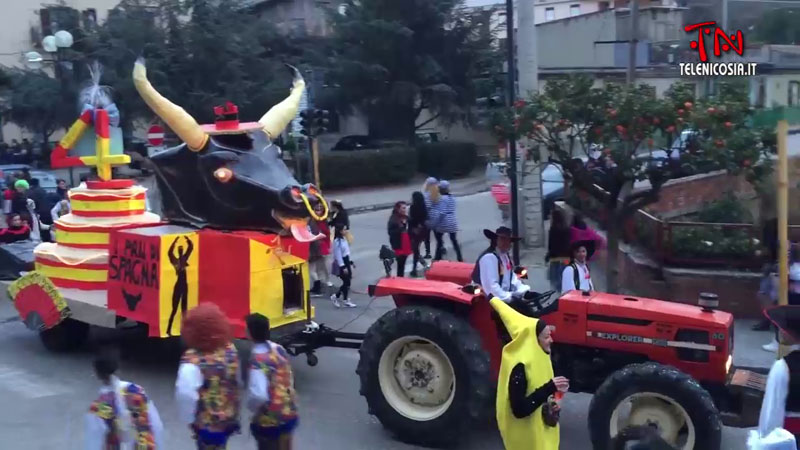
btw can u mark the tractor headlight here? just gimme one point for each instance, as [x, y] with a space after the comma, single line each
[728, 364]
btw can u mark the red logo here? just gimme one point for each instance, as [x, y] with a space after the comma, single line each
[722, 42]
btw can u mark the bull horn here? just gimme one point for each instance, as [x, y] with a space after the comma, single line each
[175, 117]
[276, 119]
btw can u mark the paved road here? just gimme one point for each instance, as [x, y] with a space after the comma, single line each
[46, 395]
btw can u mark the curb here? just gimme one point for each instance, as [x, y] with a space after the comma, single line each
[383, 206]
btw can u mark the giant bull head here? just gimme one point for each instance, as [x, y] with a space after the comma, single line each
[231, 177]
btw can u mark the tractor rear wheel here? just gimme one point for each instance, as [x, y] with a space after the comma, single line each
[661, 397]
[66, 336]
[425, 375]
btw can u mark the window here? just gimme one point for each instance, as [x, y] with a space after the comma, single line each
[574, 10]
[794, 93]
[604, 6]
[549, 14]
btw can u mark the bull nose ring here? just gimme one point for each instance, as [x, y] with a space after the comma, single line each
[311, 212]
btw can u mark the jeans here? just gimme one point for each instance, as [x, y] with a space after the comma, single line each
[440, 246]
[555, 269]
[344, 289]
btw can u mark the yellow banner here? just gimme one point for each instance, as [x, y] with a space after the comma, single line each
[266, 284]
[178, 281]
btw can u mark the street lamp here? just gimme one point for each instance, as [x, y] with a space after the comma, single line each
[52, 44]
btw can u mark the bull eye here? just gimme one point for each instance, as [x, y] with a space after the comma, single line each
[223, 174]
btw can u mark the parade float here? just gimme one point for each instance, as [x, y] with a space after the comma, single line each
[233, 232]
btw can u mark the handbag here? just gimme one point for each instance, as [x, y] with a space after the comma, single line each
[335, 269]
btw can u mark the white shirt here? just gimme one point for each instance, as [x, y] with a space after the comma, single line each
[568, 278]
[340, 249]
[57, 209]
[96, 428]
[258, 384]
[495, 285]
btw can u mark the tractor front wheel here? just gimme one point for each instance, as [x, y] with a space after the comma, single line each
[425, 375]
[657, 396]
[66, 336]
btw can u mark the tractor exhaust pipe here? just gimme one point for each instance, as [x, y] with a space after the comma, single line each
[708, 301]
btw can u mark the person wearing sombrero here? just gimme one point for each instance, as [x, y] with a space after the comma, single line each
[781, 406]
[494, 271]
[576, 276]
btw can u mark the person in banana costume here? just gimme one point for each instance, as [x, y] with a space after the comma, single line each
[527, 414]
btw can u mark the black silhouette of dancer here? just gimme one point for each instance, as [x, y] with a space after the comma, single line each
[180, 293]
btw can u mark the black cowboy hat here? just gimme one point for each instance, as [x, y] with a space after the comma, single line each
[501, 231]
[589, 245]
[787, 318]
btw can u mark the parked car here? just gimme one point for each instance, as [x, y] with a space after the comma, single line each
[47, 180]
[356, 142]
[552, 188]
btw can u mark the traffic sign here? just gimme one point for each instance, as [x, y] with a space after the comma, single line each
[155, 135]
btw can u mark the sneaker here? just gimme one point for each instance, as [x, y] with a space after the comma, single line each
[335, 301]
[330, 284]
[413, 274]
[348, 303]
[771, 347]
[316, 294]
[428, 256]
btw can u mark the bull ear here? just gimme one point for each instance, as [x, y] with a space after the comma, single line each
[276, 119]
[176, 117]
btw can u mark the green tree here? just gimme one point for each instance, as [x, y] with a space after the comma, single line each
[395, 59]
[199, 53]
[38, 102]
[629, 126]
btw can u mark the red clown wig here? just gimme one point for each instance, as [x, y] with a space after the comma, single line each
[206, 328]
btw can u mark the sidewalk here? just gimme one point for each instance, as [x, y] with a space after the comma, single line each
[373, 198]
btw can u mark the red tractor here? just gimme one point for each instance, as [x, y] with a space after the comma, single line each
[428, 368]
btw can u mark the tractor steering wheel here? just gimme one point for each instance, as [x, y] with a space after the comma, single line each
[536, 298]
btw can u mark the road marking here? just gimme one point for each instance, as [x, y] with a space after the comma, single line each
[27, 384]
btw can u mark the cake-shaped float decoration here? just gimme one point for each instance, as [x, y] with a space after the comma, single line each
[79, 257]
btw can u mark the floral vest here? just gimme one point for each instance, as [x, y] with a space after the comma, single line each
[218, 406]
[281, 406]
[105, 407]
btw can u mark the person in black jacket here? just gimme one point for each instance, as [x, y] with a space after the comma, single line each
[558, 249]
[418, 215]
[398, 236]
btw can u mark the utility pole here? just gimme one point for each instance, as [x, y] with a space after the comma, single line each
[511, 169]
[634, 39]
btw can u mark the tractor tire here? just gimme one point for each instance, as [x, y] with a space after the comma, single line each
[666, 398]
[66, 336]
[425, 375]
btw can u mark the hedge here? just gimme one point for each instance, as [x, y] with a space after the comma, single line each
[447, 159]
[343, 169]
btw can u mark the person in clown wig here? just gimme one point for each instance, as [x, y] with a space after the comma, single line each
[122, 417]
[207, 389]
